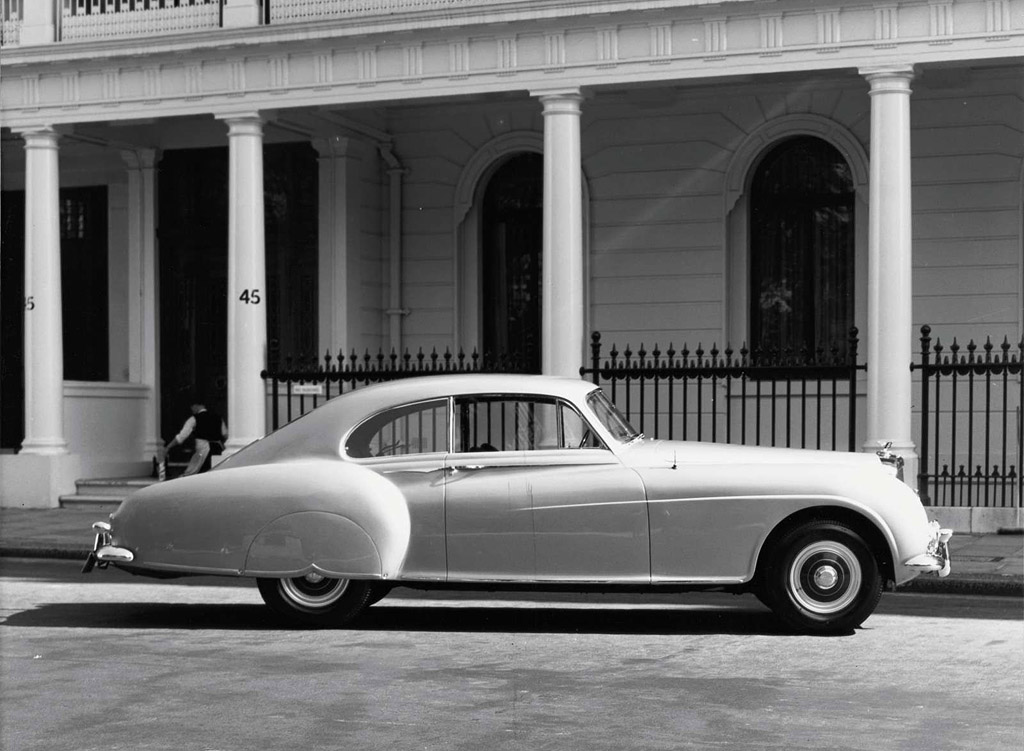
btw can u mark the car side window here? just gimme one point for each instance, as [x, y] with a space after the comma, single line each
[519, 423]
[576, 433]
[420, 428]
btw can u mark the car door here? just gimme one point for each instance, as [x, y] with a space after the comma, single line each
[589, 510]
[489, 529]
[532, 495]
[407, 445]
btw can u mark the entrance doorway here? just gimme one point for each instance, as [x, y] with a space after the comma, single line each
[512, 243]
[84, 298]
[193, 236]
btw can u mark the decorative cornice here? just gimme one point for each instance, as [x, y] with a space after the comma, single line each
[326, 65]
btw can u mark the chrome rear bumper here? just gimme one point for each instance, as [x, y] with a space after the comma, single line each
[103, 552]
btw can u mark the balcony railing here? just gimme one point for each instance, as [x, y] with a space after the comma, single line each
[11, 15]
[119, 19]
[293, 11]
[93, 20]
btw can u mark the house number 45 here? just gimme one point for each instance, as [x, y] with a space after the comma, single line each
[250, 297]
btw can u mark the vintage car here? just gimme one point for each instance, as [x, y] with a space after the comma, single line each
[501, 481]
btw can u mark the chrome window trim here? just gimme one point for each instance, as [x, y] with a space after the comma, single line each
[406, 405]
[547, 397]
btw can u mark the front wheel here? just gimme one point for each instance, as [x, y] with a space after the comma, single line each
[316, 600]
[823, 578]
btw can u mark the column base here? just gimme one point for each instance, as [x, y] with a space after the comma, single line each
[44, 446]
[37, 481]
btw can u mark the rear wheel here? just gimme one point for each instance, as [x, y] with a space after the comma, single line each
[315, 599]
[822, 578]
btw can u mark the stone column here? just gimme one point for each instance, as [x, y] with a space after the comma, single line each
[890, 322]
[562, 313]
[338, 288]
[395, 312]
[143, 307]
[44, 325]
[247, 288]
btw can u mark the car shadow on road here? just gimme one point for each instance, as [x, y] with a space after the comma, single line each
[424, 618]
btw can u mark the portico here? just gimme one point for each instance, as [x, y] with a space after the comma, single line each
[637, 121]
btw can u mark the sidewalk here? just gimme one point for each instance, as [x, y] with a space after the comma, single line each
[982, 564]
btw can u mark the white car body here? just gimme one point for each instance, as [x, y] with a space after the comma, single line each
[314, 500]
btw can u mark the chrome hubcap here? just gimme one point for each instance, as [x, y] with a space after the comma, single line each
[313, 591]
[825, 577]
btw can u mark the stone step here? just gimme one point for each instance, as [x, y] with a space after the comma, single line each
[98, 503]
[103, 493]
[120, 487]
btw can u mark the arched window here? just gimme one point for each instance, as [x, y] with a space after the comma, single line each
[512, 238]
[801, 248]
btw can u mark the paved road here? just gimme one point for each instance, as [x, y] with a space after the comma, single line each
[114, 662]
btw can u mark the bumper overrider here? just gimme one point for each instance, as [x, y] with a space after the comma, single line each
[103, 552]
[937, 557]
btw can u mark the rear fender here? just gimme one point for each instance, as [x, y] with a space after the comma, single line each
[313, 541]
[269, 520]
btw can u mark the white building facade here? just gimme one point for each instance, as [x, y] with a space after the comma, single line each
[356, 147]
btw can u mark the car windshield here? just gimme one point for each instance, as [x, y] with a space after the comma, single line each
[610, 417]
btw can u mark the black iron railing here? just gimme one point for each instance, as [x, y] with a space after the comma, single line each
[299, 385]
[777, 398]
[971, 440]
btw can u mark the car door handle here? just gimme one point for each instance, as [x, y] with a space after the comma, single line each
[457, 467]
[417, 470]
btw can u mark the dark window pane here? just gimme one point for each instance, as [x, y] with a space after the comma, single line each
[511, 261]
[801, 248]
[83, 268]
[12, 319]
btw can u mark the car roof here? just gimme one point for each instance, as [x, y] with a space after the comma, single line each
[367, 400]
[317, 433]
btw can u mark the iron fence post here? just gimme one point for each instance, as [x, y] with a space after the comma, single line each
[273, 354]
[852, 390]
[595, 356]
[922, 474]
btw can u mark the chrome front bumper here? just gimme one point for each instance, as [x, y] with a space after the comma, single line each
[937, 557]
[103, 552]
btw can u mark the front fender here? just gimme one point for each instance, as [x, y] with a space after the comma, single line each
[242, 520]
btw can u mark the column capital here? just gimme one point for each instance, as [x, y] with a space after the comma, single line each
[140, 159]
[244, 123]
[332, 147]
[561, 100]
[39, 136]
[888, 77]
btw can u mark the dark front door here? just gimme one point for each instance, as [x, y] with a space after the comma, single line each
[12, 319]
[193, 245]
[511, 264]
[193, 240]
